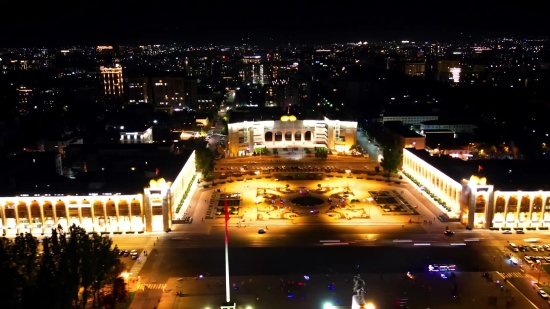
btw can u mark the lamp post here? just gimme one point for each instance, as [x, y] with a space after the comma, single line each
[257, 173]
[370, 202]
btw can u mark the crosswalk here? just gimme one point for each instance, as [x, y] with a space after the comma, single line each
[516, 274]
[152, 286]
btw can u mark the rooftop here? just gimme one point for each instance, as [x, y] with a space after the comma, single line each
[445, 122]
[505, 175]
[398, 128]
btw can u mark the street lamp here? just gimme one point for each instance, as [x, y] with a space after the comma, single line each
[370, 202]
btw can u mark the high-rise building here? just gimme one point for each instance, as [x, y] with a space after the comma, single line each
[112, 80]
[252, 70]
[169, 91]
[137, 90]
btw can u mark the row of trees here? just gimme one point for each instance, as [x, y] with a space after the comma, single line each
[70, 269]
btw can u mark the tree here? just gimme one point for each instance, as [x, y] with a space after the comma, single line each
[71, 262]
[393, 158]
[263, 151]
[321, 153]
[356, 150]
[224, 128]
[204, 161]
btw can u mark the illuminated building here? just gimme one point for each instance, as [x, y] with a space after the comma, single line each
[169, 91]
[446, 68]
[135, 135]
[252, 70]
[137, 210]
[415, 69]
[112, 80]
[137, 90]
[289, 132]
[25, 95]
[483, 193]
[409, 120]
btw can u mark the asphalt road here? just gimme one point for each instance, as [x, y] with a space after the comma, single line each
[281, 252]
[287, 252]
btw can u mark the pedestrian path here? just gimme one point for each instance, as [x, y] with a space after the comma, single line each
[152, 286]
[516, 274]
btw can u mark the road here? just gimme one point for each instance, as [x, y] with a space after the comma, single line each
[287, 251]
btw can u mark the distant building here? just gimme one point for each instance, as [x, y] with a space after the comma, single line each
[409, 120]
[457, 127]
[404, 137]
[133, 135]
[112, 80]
[169, 91]
[137, 90]
[417, 69]
[250, 131]
[252, 70]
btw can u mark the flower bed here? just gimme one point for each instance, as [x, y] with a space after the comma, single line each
[186, 193]
[433, 196]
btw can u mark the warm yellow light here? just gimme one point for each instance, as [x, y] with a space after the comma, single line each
[161, 183]
[474, 180]
[369, 306]
[124, 275]
[153, 184]
[284, 118]
[292, 118]
[483, 181]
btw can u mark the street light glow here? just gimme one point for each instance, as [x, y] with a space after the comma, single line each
[369, 306]
[328, 306]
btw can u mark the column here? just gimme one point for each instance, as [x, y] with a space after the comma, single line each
[506, 202]
[3, 213]
[42, 218]
[17, 217]
[530, 216]
[130, 217]
[117, 215]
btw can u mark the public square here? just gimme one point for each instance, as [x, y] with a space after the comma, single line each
[380, 247]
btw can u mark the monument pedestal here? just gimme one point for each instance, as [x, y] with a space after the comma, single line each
[228, 306]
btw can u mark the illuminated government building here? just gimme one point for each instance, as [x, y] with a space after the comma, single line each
[137, 195]
[247, 131]
[484, 193]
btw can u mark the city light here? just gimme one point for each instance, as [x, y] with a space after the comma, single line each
[328, 306]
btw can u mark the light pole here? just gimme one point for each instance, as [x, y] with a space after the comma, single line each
[257, 173]
[370, 202]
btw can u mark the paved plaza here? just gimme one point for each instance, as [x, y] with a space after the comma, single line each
[426, 290]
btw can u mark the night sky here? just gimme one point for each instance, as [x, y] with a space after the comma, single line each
[112, 22]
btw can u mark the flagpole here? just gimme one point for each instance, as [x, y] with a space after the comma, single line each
[227, 287]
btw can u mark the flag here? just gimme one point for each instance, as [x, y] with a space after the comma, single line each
[157, 171]
[226, 222]
[479, 168]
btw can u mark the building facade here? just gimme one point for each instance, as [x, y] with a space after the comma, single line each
[441, 125]
[409, 120]
[477, 203]
[288, 132]
[112, 80]
[136, 137]
[150, 209]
